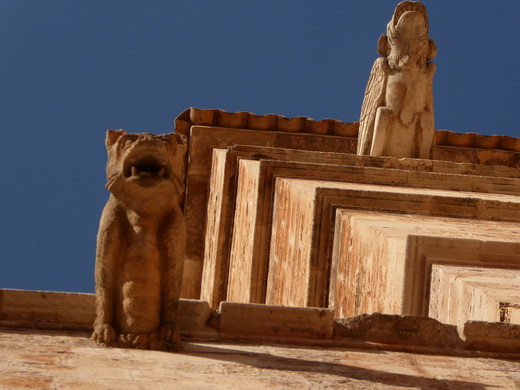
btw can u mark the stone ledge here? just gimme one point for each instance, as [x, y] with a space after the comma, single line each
[256, 323]
[47, 309]
[76, 311]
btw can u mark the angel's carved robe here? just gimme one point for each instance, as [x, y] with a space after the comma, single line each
[397, 113]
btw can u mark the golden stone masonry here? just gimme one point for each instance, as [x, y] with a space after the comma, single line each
[312, 254]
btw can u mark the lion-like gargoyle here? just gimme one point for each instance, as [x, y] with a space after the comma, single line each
[141, 242]
[397, 113]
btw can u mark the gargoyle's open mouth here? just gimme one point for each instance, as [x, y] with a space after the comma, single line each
[145, 167]
[410, 19]
[406, 6]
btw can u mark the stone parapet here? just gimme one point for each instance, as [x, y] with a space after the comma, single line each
[47, 309]
[246, 120]
[270, 122]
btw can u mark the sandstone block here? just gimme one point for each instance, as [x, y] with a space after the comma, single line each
[492, 336]
[276, 321]
[193, 318]
[396, 329]
[47, 309]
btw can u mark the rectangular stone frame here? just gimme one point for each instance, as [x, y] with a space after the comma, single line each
[327, 200]
[418, 255]
[294, 168]
[480, 293]
[491, 254]
[269, 170]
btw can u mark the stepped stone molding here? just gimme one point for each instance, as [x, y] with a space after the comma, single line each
[459, 294]
[384, 262]
[309, 206]
[275, 163]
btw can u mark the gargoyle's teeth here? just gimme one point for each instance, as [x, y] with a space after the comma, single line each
[402, 10]
[135, 171]
[161, 172]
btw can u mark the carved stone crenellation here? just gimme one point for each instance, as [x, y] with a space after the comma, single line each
[141, 242]
[397, 112]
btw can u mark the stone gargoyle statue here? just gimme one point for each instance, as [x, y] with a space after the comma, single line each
[397, 112]
[141, 242]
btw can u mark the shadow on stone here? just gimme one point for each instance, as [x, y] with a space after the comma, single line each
[272, 362]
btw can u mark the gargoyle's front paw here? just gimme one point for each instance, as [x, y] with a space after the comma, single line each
[104, 334]
[170, 335]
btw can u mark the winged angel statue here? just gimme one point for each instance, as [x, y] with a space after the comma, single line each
[397, 113]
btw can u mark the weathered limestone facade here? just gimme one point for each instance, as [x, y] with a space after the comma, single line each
[292, 217]
[294, 239]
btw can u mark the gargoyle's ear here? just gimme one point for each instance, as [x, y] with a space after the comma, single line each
[432, 50]
[383, 47]
[112, 136]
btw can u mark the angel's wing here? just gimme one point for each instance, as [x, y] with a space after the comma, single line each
[374, 98]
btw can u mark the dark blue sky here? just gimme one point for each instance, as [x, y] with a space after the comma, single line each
[71, 69]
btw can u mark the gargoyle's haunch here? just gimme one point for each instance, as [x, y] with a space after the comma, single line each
[141, 242]
[397, 113]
